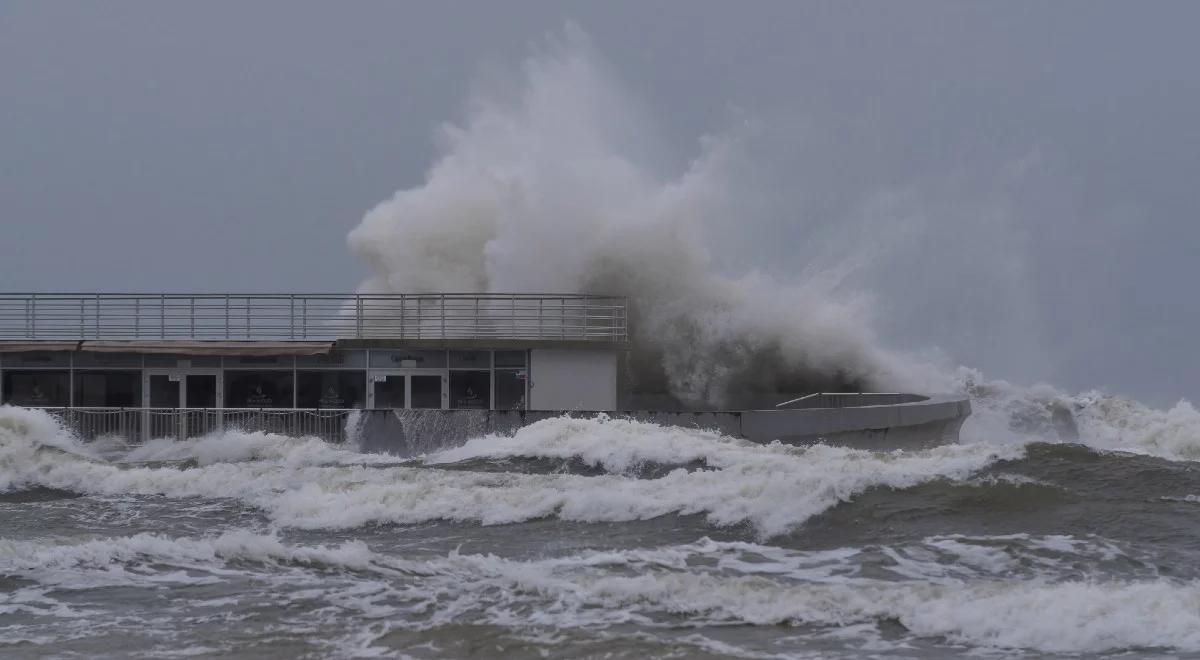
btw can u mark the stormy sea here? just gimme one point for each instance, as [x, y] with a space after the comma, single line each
[1061, 525]
[607, 538]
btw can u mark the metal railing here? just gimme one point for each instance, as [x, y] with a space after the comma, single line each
[294, 316]
[141, 424]
[850, 400]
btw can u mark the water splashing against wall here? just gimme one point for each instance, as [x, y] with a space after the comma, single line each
[547, 185]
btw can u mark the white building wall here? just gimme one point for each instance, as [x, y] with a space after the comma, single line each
[572, 379]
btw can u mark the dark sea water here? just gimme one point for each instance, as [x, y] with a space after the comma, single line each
[592, 538]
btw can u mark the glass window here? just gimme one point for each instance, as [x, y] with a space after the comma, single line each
[330, 389]
[425, 391]
[164, 391]
[89, 359]
[258, 389]
[182, 361]
[37, 388]
[408, 359]
[470, 389]
[510, 389]
[471, 359]
[281, 361]
[334, 360]
[510, 358]
[201, 390]
[108, 389]
[38, 359]
[389, 391]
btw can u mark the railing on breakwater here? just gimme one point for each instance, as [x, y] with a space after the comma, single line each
[850, 400]
[294, 316]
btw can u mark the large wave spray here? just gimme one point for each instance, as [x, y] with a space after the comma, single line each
[549, 185]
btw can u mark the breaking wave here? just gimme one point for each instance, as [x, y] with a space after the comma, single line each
[1007, 413]
[303, 483]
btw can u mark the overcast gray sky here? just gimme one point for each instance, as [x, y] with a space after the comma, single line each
[1050, 151]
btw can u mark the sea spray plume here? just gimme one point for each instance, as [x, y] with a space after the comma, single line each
[547, 186]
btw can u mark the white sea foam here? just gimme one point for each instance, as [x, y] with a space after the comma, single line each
[618, 445]
[706, 582]
[1070, 617]
[1006, 413]
[787, 587]
[748, 486]
[40, 558]
[1124, 424]
[237, 446]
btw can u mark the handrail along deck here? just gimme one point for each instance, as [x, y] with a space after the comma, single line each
[136, 425]
[313, 316]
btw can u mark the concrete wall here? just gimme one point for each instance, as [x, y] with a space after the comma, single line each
[932, 421]
[572, 379]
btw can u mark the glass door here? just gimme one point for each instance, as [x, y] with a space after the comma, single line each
[167, 391]
[409, 389]
[425, 391]
[163, 390]
[388, 391]
[200, 390]
[178, 388]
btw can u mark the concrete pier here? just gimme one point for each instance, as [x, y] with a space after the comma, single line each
[917, 422]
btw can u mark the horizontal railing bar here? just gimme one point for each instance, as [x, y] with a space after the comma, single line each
[316, 316]
[287, 296]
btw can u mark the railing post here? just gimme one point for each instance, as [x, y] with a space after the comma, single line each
[81, 317]
[246, 304]
[292, 316]
[541, 329]
[192, 315]
[97, 316]
[403, 304]
[443, 316]
[137, 317]
[227, 316]
[162, 316]
[624, 319]
[32, 325]
[358, 304]
[621, 316]
[304, 317]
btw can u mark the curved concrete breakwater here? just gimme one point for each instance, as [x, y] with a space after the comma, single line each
[874, 421]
